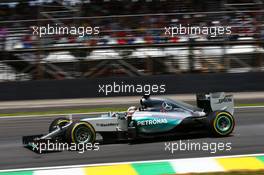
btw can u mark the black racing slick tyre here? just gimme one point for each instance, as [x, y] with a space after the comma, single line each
[62, 121]
[80, 132]
[221, 123]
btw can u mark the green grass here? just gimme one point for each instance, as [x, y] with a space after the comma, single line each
[251, 104]
[88, 110]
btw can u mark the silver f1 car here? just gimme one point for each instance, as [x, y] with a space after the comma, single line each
[155, 117]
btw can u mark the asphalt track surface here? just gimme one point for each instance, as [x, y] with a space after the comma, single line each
[248, 138]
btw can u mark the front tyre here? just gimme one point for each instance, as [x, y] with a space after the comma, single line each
[81, 133]
[221, 123]
[58, 122]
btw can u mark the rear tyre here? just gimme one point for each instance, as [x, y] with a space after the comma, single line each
[221, 123]
[81, 132]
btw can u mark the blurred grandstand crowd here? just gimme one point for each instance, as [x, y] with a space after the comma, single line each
[141, 21]
[128, 22]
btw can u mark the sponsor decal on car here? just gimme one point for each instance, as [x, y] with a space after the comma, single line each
[152, 122]
[106, 124]
[225, 100]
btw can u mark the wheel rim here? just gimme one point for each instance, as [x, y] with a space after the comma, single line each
[82, 135]
[223, 123]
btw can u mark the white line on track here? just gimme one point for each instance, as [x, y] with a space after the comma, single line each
[94, 113]
[118, 163]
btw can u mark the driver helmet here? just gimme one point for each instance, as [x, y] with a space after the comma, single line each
[131, 110]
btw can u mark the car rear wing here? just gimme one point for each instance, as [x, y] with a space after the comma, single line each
[215, 101]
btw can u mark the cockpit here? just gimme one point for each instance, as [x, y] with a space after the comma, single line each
[153, 104]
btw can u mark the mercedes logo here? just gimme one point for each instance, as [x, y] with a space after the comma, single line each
[166, 106]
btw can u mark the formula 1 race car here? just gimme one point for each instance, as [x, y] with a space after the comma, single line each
[156, 117]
